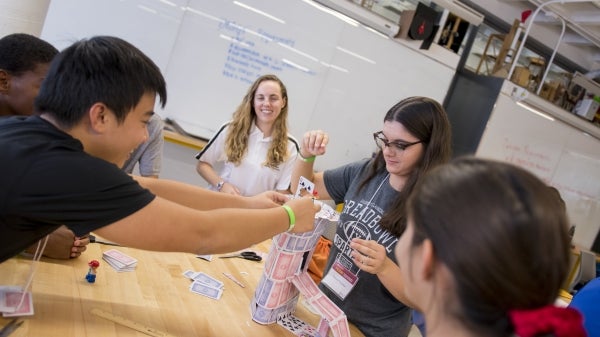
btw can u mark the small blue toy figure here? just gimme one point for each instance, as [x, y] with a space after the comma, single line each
[91, 275]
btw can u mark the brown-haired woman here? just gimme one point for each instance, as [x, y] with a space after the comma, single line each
[485, 253]
[361, 276]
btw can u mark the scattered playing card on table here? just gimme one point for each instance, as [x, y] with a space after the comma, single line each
[206, 290]
[189, 274]
[205, 257]
[10, 298]
[208, 280]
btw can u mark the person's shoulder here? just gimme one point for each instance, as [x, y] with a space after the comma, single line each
[352, 169]
[217, 138]
[360, 165]
[31, 131]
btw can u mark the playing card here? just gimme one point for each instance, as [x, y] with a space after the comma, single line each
[323, 327]
[326, 307]
[276, 291]
[11, 299]
[282, 266]
[263, 290]
[304, 185]
[296, 325]
[306, 285]
[290, 243]
[189, 274]
[340, 328]
[208, 280]
[206, 290]
[205, 257]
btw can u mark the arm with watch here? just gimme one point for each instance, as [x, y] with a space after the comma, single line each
[208, 173]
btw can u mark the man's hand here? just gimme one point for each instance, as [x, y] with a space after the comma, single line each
[63, 244]
[304, 211]
[268, 199]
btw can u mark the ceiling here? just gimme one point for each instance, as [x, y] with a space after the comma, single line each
[582, 19]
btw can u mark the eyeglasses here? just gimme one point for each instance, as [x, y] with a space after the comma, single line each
[394, 146]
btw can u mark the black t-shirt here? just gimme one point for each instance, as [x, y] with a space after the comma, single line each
[47, 180]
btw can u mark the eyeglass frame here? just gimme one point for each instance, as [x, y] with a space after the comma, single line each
[397, 146]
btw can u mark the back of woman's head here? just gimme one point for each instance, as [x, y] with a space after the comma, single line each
[102, 69]
[427, 120]
[496, 228]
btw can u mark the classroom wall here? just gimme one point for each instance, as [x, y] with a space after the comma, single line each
[22, 16]
[562, 155]
[341, 76]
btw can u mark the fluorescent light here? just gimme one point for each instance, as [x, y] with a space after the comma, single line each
[333, 66]
[234, 40]
[295, 65]
[358, 56]
[258, 11]
[535, 111]
[147, 9]
[308, 56]
[337, 14]
[168, 3]
[376, 32]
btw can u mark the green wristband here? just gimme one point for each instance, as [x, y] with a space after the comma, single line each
[308, 159]
[291, 216]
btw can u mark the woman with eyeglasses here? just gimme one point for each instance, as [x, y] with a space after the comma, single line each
[361, 275]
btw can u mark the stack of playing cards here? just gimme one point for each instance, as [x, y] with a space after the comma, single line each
[119, 261]
[204, 284]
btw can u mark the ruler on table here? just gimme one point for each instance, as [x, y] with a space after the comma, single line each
[130, 324]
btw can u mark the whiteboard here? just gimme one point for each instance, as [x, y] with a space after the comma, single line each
[562, 156]
[341, 76]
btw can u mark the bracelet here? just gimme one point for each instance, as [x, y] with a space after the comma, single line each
[291, 216]
[307, 159]
[220, 185]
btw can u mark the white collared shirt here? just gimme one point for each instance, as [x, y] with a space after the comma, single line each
[251, 177]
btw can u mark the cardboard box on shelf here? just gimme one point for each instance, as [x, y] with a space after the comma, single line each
[549, 90]
[587, 107]
[520, 76]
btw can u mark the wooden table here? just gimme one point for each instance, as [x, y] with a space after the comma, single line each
[155, 295]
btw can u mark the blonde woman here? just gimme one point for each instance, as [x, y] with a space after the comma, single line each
[254, 148]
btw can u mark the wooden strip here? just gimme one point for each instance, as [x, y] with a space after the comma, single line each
[130, 324]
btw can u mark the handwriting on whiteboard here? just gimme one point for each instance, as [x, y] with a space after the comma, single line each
[536, 160]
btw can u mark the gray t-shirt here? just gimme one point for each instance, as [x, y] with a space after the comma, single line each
[149, 154]
[369, 305]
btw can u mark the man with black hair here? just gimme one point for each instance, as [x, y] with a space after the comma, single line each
[62, 166]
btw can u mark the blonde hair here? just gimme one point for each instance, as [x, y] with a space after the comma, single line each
[236, 143]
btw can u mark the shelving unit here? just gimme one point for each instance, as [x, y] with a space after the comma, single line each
[499, 50]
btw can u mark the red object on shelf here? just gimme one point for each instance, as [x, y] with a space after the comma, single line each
[525, 15]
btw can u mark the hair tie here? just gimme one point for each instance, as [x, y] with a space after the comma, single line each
[561, 322]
